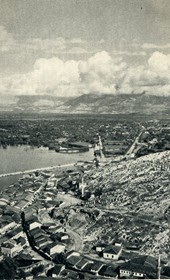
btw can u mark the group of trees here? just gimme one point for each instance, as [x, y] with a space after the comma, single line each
[8, 269]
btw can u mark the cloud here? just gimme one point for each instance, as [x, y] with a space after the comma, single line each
[6, 40]
[50, 45]
[77, 41]
[47, 46]
[160, 64]
[101, 73]
[147, 46]
[49, 76]
[153, 78]
[130, 53]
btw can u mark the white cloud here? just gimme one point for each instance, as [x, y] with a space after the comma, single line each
[157, 47]
[49, 76]
[153, 78]
[160, 63]
[77, 41]
[130, 53]
[100, 73]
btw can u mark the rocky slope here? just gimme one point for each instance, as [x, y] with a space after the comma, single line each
[137, 194]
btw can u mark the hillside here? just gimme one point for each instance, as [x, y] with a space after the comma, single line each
[136, 195]
[123, 103]
[88, 103]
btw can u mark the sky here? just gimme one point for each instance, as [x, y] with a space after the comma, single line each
[74, 47]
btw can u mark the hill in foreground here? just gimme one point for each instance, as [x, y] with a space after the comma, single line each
[134, 200]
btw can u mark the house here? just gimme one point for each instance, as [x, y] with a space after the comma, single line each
[112, 252]
[10, 210]
[131, 270]
[72, 260]
[55, 229]
[108, 271]
[102, 270]
[57, 269]
[96, 267]
[33, 223]
[42, 242]
[16, 232]
[38, 235]
[29, 212]
[132, 246]
[69, 274]
[100, 247]
[7, 249]
[72, 253]
[22, 241]
[6, 225]
[60, 236]
[139, 268]
[20, 204]
[82, 263]
[27, 263]
[87, 267]
[117, 242]
[11, 248]
[54, 248]
[35, 231]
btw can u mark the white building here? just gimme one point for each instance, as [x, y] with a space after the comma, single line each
[112, 252]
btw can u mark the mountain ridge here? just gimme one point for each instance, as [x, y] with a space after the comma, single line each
[88, 103]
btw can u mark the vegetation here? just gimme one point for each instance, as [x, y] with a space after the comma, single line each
[8, 269]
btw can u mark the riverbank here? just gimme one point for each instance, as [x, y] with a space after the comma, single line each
[37, 169]
[15, 161]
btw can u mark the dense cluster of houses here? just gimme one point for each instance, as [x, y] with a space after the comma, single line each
[23, 229]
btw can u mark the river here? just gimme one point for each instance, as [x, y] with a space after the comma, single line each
[21, 158]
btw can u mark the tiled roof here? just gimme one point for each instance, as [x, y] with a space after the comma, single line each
[111, 249]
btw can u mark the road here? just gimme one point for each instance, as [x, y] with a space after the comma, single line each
[136, 142]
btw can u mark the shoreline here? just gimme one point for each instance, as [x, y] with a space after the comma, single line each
[36, 169]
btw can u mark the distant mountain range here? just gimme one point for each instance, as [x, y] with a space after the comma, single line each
[87, 104]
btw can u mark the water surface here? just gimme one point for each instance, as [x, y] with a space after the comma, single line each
[21, 158]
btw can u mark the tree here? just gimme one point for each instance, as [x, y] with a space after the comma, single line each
[22, 274]
[60, 258]
[37, 270]
[8, 269]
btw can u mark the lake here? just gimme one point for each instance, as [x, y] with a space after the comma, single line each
[20, 158]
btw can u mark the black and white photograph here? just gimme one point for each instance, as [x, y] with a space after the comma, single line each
[84, 139]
